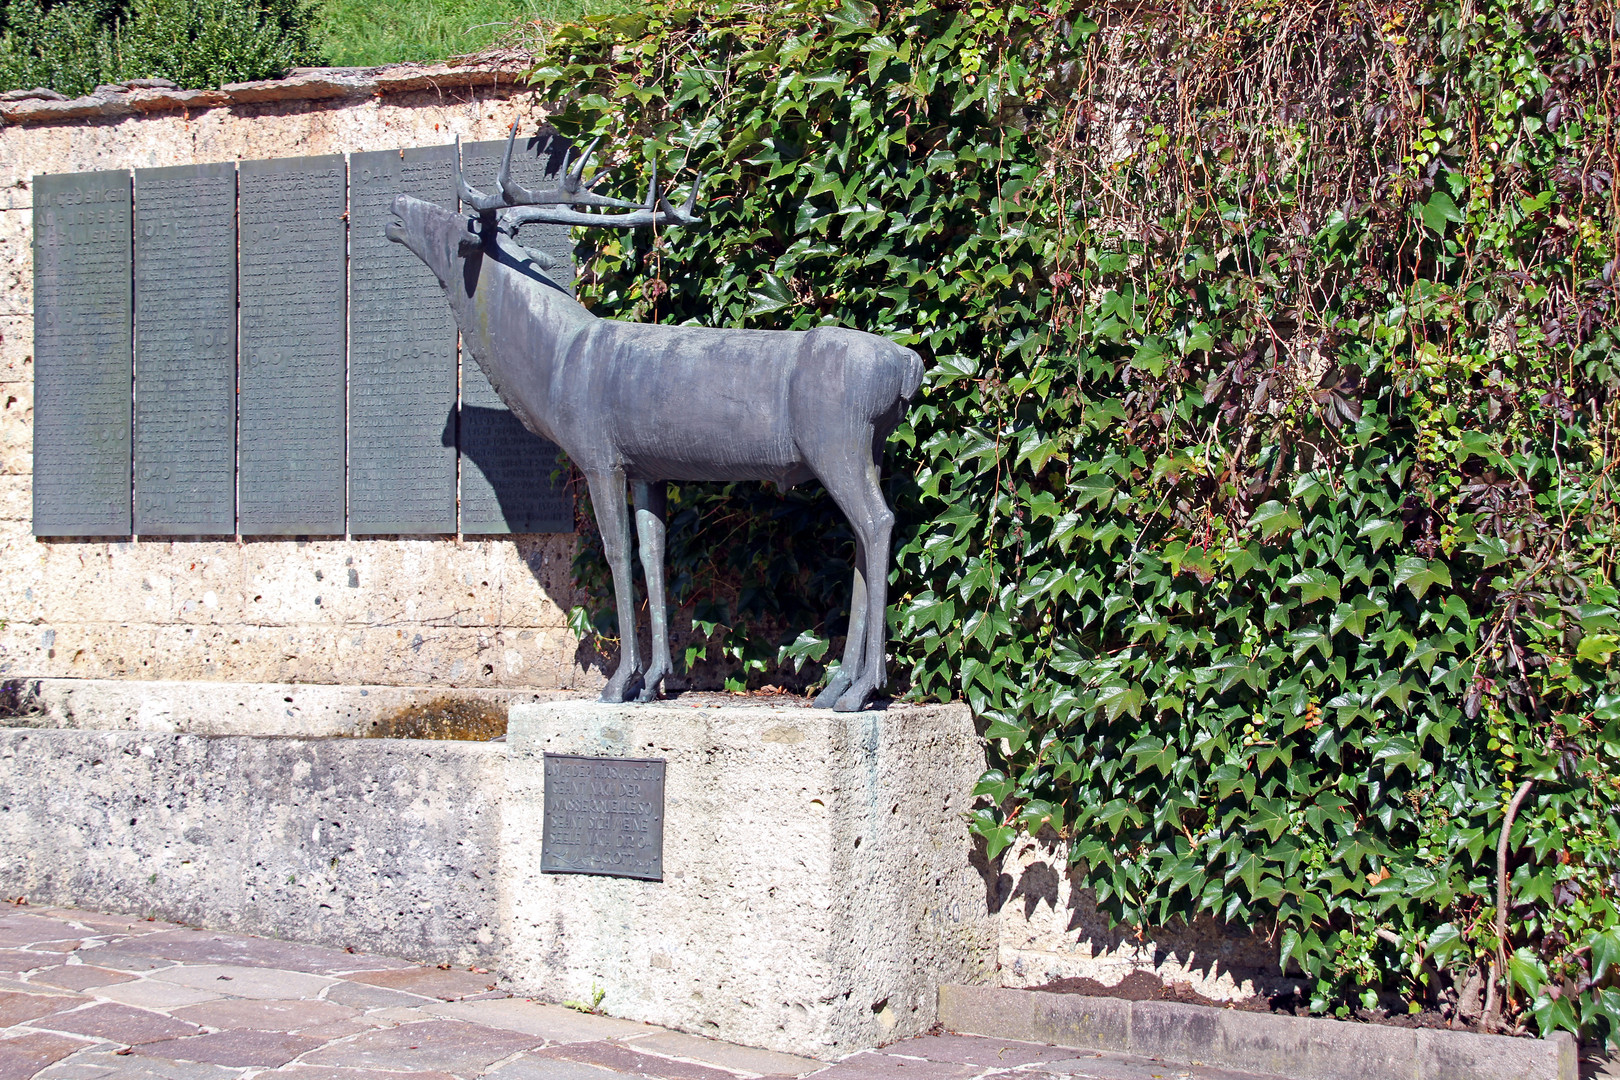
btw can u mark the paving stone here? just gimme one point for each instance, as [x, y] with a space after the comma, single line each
[63, 945]
[19, 1008]
[119, 1023]
[362, 996]
[25, 1055]
[528, 1067]
[974, 1050]
[342, 1029]
[239, 1048]
[151, 994]
[78, 977]
[120, 957]
[206, 947]
[398, 1016]
[429, 982]
[553, 1023]
[23, 929]
[115, 1066]
[621, 1058]
[249, 982]
[730, 1055]
[300, 1071]
[16, 961]
[265, 1014]
[1210, 1072]
[872, 1065]
[449, 1045]
[1104, 1066]
[109, 923]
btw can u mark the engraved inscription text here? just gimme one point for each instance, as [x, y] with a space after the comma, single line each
[603, 816]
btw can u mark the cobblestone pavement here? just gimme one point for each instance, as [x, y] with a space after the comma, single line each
[86, 996]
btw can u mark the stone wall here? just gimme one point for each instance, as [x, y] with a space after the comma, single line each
[382, 845]
[486, 612]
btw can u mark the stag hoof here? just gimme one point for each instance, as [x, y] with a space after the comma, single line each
[651, 689]
[621, 688]
[855, 698]
[828, 698]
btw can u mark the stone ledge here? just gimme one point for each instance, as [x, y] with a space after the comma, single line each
[1302, 1048]
[307, 710]
[141, 97]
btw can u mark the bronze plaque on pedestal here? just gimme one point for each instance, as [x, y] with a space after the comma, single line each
[603, 816]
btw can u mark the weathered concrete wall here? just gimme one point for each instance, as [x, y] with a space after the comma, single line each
[488, 612]
[817, 878]
[387, 845]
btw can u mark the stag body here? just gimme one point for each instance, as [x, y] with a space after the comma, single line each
[637, 405]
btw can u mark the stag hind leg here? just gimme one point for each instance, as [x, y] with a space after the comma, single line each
[855, 643]
[651, 505]
[613, 520]
[852, 480]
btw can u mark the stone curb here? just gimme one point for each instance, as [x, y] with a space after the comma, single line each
[143, 96]
[1301, 1048]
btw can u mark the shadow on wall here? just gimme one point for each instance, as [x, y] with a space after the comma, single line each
[508, 489]
[1049, 916]
[513, 486]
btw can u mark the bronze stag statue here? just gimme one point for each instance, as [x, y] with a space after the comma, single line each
[639, 405]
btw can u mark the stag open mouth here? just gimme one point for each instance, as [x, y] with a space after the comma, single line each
[395, 229]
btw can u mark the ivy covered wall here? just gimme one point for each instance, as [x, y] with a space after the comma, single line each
[1259, 498]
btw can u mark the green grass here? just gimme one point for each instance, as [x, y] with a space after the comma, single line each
[362, 33]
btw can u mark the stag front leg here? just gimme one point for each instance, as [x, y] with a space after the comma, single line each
[651, 506]
[855, 643]
[613, 520]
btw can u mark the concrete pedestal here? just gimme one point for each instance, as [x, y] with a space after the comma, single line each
[816, 890]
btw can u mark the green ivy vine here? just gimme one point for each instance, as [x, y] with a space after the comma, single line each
[1259, 499]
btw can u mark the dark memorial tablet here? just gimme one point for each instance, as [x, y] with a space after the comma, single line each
[402, 355]
[185, 350]
[506, 484]
[292, 283]
[603, 816]
[82, 354]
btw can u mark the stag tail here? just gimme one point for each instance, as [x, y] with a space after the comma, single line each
[913, 377]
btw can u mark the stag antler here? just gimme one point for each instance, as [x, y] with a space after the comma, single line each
[516, 205]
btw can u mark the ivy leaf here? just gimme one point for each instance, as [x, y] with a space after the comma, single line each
[1443, 943]
[1438, 211]
[770, 295]
[1095, 487]
[1527, 972]
[1490, 549]
[1381, 531]
[1037, 449]
[1270, 815]
[1418, 574]
[1308, 638]
[1597, 648]
[1115, 700]
[1151, 752]
[1313, 585]
[1605, 952]
[1273, 517]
